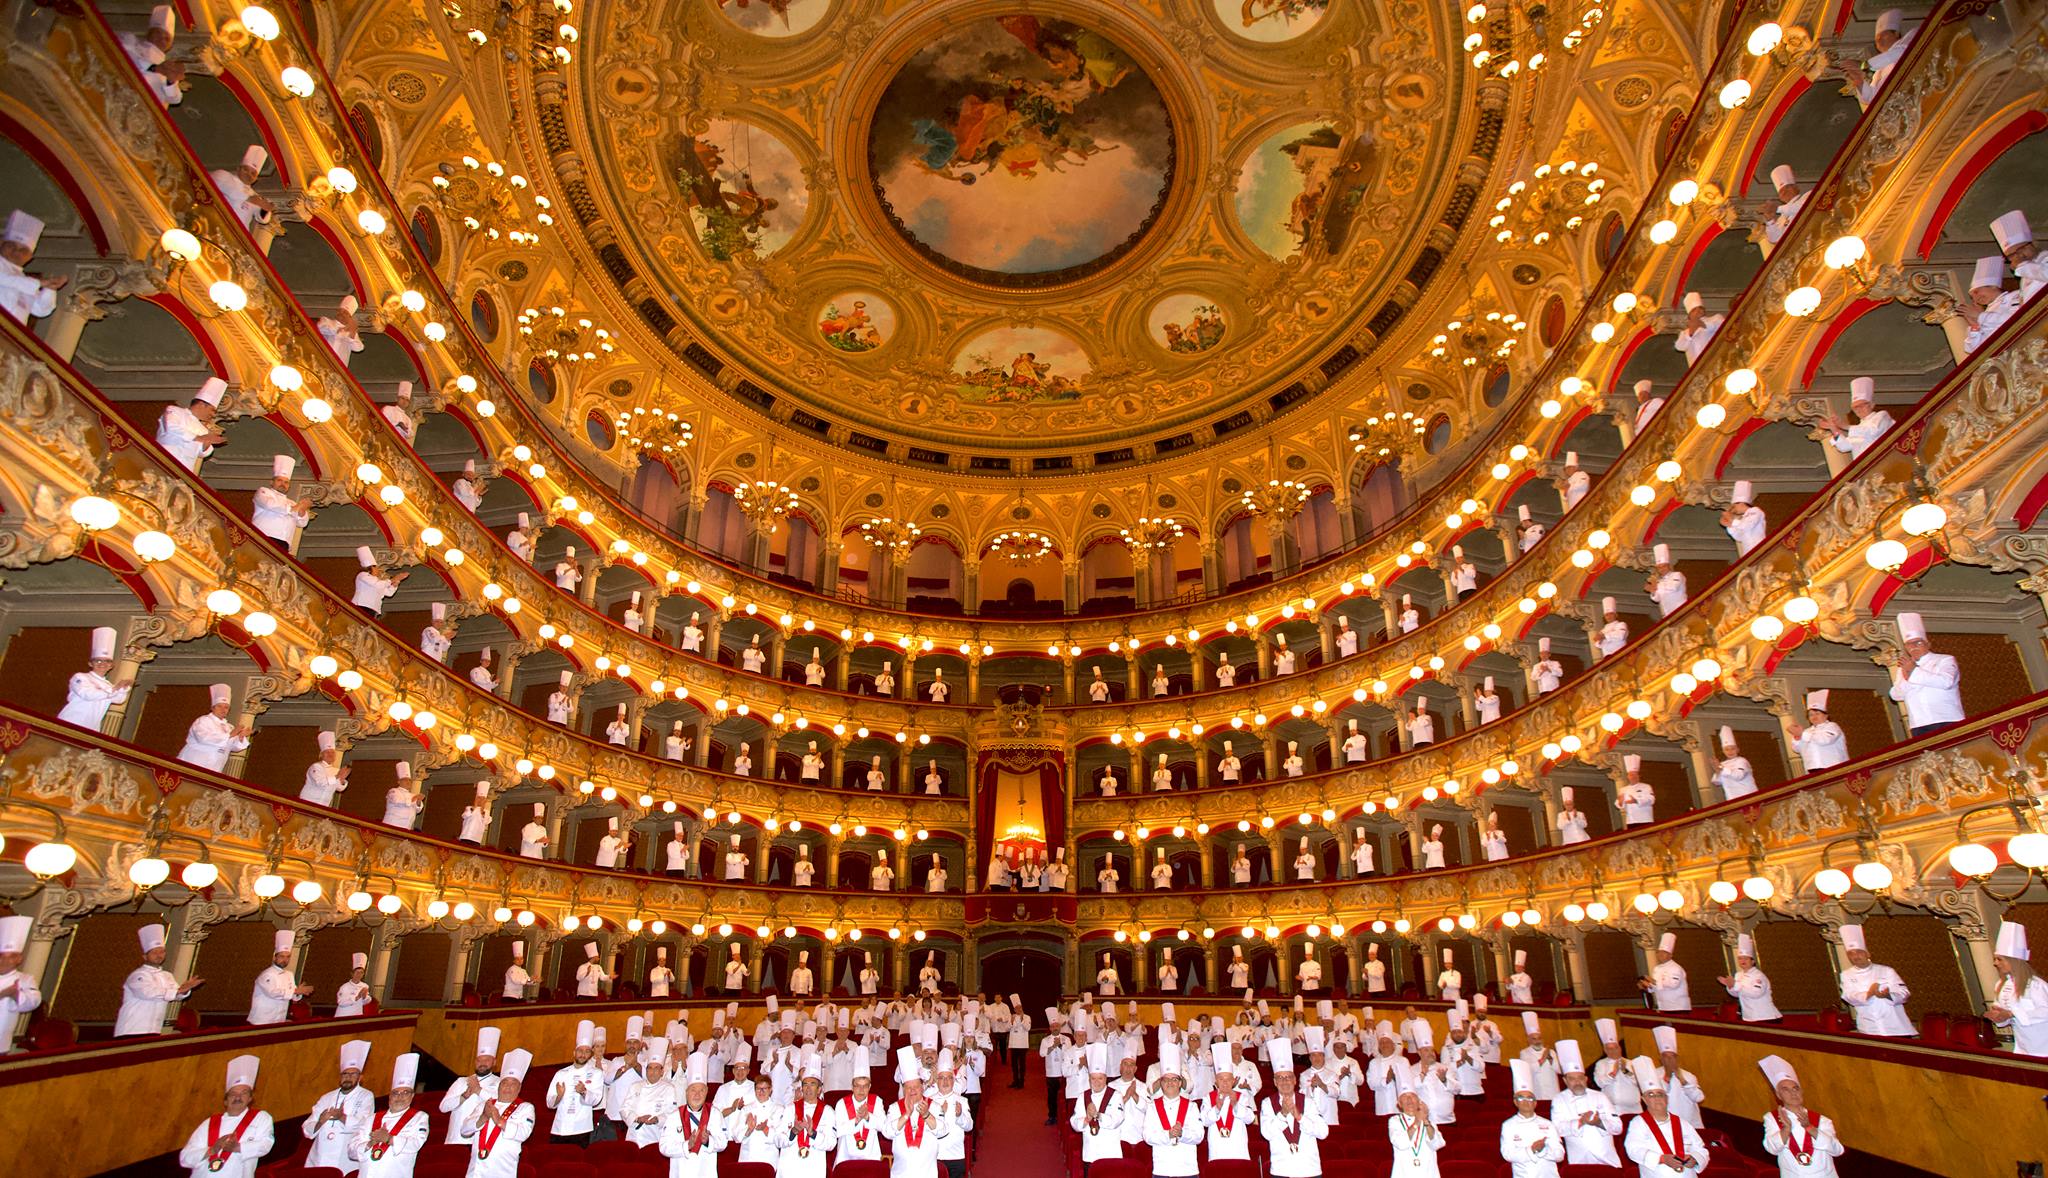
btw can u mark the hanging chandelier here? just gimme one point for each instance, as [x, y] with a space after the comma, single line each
[1021, 545]
[765, 502]
[888, 532]
[1552, 199]
[558, 337]
[660, 432]
[1276, 497]
[1153, 532]
[1468, 341]
[1503, 40]
[543, 24]
[485, 198]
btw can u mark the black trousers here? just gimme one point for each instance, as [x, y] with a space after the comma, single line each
[1055, 1086]
[1003, 1049]
[955, 1167]
[577, 1139]
[1931, 729]
[1017, 1068]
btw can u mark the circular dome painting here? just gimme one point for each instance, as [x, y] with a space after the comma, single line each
[745, 189]
[1186, 323]
[856, 321]
[1270, 21]
[1300, 190]
[1021, 151]
[775, 18]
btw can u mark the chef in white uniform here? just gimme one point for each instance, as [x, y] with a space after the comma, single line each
[1584, 1115]
[1421, 725]
[90, 693]
[149, 54]
[885, 681]
[338, 1116]
[390, 1141]
[2021, 1000]
[1529, 1143]
[187, 432]
[590, 976]
[498, 1123]
[212, 740]
[1661, 1143]
[1226, 675]
[1666, 983]
[1361, 853]
[1288, 1120]
[467, 488]
[148, 992]
[1820, 743]
[1540, 1056]
[345, 339]
[18, 992]
[402, 803]
[1784, 182]
[1699, 328]
[476, 817]
[1928, 683]
[693, 1136]
[1347, 638]
[1527, 535]
[1733, 773]
[24, 295]
[1572, 824]
[1548, 672]
[1493, 840]
[1638, 801]
[2016, 241]
[372, 587]
[1613, 1073]
[354, 994]
[1450, 982]
[1868, 77]
[232, 1142]
[273, 511]
[1521, 987]
[1749, 986]
[1744, 521]
[1990, 304]
[481, 1082]
[516, 977]
[238, 185]
[1576, 481]
[1666, 586]
[1877, 992]
[1613, 628]
[1804, 1142]
[1283, 657]
[271, 997]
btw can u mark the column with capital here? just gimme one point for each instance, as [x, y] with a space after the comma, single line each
[1134, 683]
[1068, 675]
[1573, 941]
[830, 552]
[777, 641]
[133, 654]
[1280, 542]
[973, 675]
[833, 842]
[757, 952]
[970, 593]
[1070, 582]
[1141, 576]
[1466, 708]
[1389, 609]
[1212, 565]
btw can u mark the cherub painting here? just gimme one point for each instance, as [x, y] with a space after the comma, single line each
[745, 190]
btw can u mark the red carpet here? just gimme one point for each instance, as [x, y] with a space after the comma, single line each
[1014, 1136]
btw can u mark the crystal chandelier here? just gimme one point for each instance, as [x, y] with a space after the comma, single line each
[559, 337]
[765, 502]
[1276, 497]
[484, 197]
[660, 432]
[1505, 39]
[1021, 545]
[543, 23]
[1550, 200]
[1468, 341]
[1153, 532]
[888, 532]
[1383, 433]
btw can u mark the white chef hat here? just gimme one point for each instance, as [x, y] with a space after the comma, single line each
[1990, 271]
[1488, 683]
[1744, 492]
[14, 933]
[2011, 229]
[1609, 606]
[152, 937]
[22, 229]
[1522, 1078]
[255, 158]
[590, 950]
[281, 940]
[697, 1069]
[2012, 940]
[1852, 937]
[1666, 1037]
[282, 466]
[1531, 1024]
[1447, 948]
[359, 960]
[1693, 301]
[1633, 762]
[212, 391]
[354, 1054]
[1568, 1058]
[1313, 1038]
[1098, 1057]
[1280, 1054]
[1728, 738]
[403, 769]
[1608, 1030]
[1863, 391]
[1293, 746]
[515, 1064]
[1817, 700]
[586, 1033]
[1436, 830]
[1643, 387]
[525, 521]
[102, 644]
[540, 809]
[1776, 1071]
[405, 1070]
[1745, 946]
[1912, 626]
[1891, 20]
[1543, 644]
[487, 1037]
[1661, 553]
[364, 557]
[349, 306]
[1521, 513]
[1521, 958]
[1648, 1078]
[1351, 725]
[163, 19]
[242, 1072]
[1565, 794]
[1668, 943]
[483, 657]
[1783, 175]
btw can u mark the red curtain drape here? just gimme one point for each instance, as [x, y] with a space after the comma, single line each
[1052, 796]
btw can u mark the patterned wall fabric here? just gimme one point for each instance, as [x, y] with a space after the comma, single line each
[1700, 951]
[1924, 953]
[98, 957]
[1802, 973]
[421, 970]
[1544, 966]
[229, 959]
[326, 963]
[1613, 965]
[1993, 674]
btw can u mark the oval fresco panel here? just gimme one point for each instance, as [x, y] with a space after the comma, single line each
[856, 321]
[775, 18]
[1186, 323]
[745, 189]
[1270, 21]
[1021, 151]
[1300, 190]
[1021, 365]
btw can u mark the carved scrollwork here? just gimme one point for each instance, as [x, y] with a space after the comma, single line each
[1804, 816]
[325, 840]
[80, 778]
[33, 402]
[218, 814]
[1939, 780]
